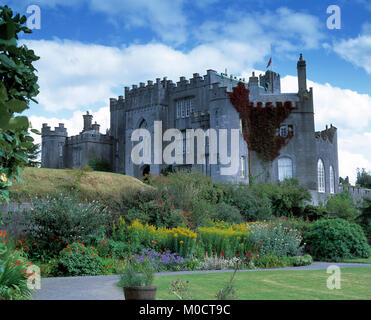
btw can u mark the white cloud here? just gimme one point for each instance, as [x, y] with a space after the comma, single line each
[357, 50]
[346, 109]
[349, 163]
[74, 75]
[74, 124]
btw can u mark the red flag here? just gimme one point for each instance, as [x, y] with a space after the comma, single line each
[269, 63]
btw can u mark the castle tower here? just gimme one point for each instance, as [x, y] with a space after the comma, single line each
[88, 118]
[302, 74]
[53, 146]
[271, 82]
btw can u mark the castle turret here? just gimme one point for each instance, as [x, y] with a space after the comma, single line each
[95, 127]
[302, 74]
[271, 82]
[88, 118]
[52, 146]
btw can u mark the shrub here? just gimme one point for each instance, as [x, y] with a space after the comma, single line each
[270, 261]
[78, 260]
[336, 239]
[252, 206]
[57, 221]
[365, 217]
[342, 205]
[228, 213]
[287, 197]
[99, 165]
[275, 239]
[299, 261]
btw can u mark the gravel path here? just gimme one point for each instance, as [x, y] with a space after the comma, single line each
[104, 287]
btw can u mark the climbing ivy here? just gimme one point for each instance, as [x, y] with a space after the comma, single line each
[260, 123]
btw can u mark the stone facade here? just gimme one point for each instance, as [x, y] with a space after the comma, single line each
[202, 102]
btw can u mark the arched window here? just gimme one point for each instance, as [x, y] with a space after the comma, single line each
[284, 168]
[321, 176]
[143, 124]
[332, 180]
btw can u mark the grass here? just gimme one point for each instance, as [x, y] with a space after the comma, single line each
[91, 185]
[274, 285]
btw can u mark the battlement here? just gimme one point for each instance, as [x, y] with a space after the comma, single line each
[327, 134]
[89, 137]
[58, 131]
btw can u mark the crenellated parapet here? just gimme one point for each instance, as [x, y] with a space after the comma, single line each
[326, 135]
[58, 131]
[88, 137]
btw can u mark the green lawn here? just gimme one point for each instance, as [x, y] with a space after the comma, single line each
[274, 285]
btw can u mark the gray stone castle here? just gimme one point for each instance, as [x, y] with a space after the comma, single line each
[202, 102]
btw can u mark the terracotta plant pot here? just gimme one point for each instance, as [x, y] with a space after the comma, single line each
[140, 293]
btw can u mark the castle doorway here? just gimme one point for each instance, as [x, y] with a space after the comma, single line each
[145, 170]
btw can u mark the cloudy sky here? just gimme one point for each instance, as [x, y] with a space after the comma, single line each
[91, 49]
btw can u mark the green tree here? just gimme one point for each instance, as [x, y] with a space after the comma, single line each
[18, 87]
[363, 178]
[33, 156]
[344, 182]
[342, 205]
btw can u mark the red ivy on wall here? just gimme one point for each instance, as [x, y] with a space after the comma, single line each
[260, 124]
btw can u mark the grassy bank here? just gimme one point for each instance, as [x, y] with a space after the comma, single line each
[274, 285]
[91, 185]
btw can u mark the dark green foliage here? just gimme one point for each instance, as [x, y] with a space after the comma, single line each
[33, 156]
[227, 213]
[251, 205]
[99, 165]
[336, 239]
[78, 260]
[342, 205]
[313, 213]
[270, 261]
[287, 198]
[18, 86]
[55, 222]
[364, 218]
[344, 182]
[299, 261]
[363, 178]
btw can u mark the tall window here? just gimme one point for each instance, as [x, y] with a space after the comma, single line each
[332, 180]
[284, 168]
[321, 176]
[184, 107]
[242, 167]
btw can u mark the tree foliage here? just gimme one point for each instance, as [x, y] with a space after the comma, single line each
[18, 87]
[363, 178]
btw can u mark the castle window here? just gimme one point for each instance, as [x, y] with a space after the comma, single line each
[187, 107]
[178, 110]
[283, 131]
[184, 107]
[321, 176]
[60, 147]
[192, 104]
[332, 180]
[284, 168]
[242, 167]
[290, 130]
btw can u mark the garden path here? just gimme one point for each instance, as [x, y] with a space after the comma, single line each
[104, 287]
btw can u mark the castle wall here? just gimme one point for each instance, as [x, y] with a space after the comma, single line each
[53, 146]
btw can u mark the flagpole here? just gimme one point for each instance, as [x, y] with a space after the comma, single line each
[271, 58]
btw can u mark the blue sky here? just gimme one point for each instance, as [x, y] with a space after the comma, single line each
[91, 49]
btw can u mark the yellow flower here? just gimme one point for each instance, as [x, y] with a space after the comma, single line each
[3, 177]
[181, 241]
[175, 234]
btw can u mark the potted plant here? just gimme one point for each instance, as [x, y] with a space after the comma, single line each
[137, 281]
